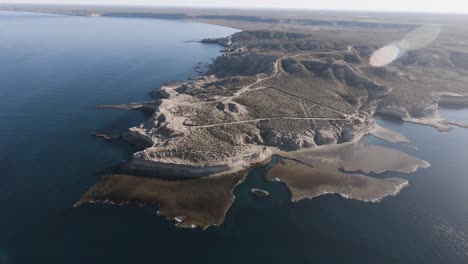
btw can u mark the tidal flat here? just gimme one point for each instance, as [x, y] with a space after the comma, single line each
[309, 173]
[313, 172]
[358, 157]
[190, 203]
[307, 182]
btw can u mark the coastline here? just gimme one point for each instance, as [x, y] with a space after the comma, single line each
[170, 97]
[50, 161]
[254, 102]
[220, 23]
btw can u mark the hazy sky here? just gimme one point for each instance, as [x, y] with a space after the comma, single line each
[457, 6]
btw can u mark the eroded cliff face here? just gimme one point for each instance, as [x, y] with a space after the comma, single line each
[229, 119]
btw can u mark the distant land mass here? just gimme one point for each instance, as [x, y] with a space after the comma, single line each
[301, 88]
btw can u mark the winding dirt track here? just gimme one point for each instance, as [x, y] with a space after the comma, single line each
[267, 118]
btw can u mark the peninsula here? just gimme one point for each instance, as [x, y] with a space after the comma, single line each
[299, 92]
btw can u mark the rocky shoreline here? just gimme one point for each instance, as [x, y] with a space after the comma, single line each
[275, 93]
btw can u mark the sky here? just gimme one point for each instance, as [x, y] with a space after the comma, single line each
[450, 6]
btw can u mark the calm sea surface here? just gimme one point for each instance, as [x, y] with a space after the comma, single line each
[55, 69]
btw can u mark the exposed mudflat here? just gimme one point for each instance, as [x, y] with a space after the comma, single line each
[306, 182]
[203, 202]
[191, 203]
[314, 172]
[388, 135]
[358, 157]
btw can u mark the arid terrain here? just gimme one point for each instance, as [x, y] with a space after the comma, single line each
[302, 87]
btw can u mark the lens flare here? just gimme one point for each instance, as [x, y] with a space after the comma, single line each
[385, 55]
[420, 37]
[416, 39]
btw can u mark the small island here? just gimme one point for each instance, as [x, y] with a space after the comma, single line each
[258, 192]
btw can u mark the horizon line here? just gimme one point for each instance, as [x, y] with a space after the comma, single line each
[243, 8]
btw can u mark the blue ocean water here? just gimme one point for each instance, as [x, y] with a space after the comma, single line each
[55, 69]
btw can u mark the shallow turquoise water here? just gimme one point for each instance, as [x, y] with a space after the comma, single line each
[55, 69]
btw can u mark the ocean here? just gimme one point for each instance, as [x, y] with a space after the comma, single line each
[55, 69]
